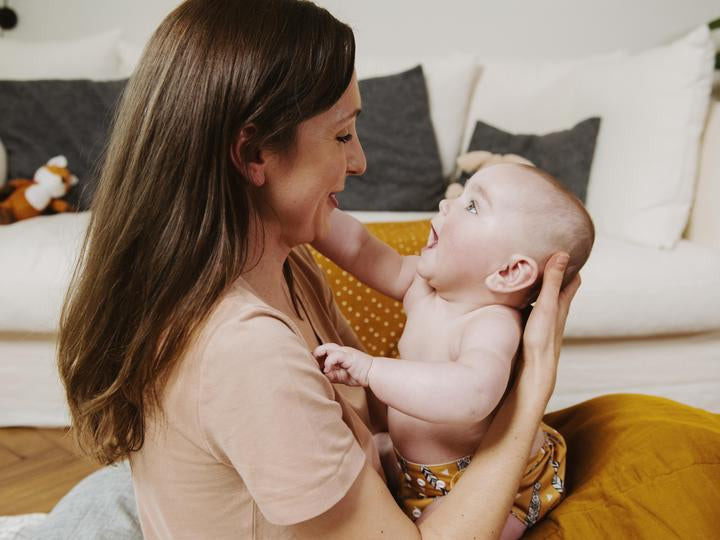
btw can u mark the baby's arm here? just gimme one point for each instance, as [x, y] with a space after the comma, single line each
[463, 391]
[349, 245]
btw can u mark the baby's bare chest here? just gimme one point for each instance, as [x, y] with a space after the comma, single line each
[430, 337]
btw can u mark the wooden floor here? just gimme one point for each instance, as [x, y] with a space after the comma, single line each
[37, 467]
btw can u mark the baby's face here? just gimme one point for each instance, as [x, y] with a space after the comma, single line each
[477, 233]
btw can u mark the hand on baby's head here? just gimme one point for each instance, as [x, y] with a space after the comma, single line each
[344, 365]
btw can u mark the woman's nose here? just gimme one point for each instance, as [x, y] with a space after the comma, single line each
[443, 207]
[356, 163]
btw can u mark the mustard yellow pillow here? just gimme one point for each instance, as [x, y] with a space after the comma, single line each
[377, 320]
[637, 467]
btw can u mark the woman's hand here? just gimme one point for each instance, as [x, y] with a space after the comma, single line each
[543, 334]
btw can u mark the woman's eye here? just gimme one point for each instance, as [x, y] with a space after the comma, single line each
[345, 138]
[471, 207]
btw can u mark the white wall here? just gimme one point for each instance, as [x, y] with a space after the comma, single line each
[507, 28]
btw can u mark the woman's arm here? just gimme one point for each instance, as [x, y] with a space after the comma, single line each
[479, 504]
[349, 245]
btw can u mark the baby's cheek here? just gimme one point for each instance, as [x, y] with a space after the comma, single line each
[464, 252]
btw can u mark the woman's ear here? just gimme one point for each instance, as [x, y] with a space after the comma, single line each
[253, 169]
[519, 273]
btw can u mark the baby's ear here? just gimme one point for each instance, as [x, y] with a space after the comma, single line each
[519, 273]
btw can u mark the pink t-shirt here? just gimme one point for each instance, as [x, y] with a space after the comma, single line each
[254, 437]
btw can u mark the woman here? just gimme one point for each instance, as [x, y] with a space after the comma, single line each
[185, 343]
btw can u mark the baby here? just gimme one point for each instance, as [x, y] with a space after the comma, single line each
[463, 297]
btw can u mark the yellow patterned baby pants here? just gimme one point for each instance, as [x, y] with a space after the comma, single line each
[541, 487]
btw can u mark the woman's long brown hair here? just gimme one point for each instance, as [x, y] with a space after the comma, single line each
[170, 219]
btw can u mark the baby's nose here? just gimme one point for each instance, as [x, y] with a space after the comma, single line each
[443, 206]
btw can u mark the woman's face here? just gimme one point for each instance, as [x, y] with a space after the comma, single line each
[301, 184]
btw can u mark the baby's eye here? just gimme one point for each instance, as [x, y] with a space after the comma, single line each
[345, 138]
[471, 207]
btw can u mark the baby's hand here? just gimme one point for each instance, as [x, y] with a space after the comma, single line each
[344, 364]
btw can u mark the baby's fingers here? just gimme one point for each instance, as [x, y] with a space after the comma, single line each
[552, 280]
[566, 296]
[332, 362]
[325, 349]
[339, 376]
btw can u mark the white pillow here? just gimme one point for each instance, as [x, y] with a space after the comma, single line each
[704, 225]
[652, 106]
[128, 55]
[449, 79]
[93, 57]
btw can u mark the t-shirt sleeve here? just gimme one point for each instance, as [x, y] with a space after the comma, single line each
[269, 412]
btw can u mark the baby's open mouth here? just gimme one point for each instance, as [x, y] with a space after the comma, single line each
[432, 238]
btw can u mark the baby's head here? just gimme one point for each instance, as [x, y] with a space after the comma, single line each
[501, 231]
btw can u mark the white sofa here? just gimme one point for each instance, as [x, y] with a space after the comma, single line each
[646, 319]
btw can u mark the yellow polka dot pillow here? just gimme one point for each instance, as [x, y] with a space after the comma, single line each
[377, 319]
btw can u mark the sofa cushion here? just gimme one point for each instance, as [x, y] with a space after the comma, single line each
[704, 224]
[652, 104]
[637, 467]
[38, 259]
[566, 154]
[632, 290]
[404, 171]
[627, 290]
[44, 118]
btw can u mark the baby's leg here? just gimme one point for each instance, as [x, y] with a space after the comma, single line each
[428, 510]
[513, 529]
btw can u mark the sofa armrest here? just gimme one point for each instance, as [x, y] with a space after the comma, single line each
[704, 223]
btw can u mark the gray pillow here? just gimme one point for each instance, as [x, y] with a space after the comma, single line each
[567, 154]
[43, 119]
[404, 171]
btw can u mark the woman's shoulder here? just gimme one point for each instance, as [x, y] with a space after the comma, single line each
[243, 322]
[242, 325]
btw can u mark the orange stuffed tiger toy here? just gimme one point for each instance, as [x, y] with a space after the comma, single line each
[22, 199]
